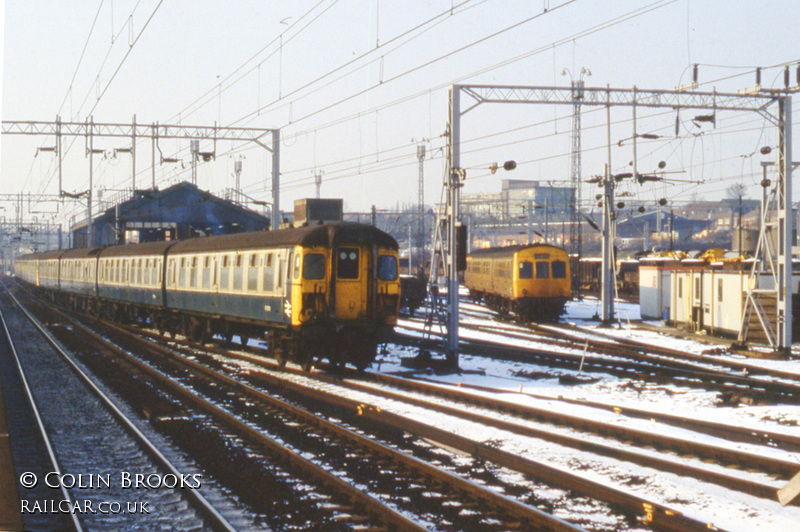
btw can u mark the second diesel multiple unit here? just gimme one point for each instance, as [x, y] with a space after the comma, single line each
[324, 291]
[532, 281]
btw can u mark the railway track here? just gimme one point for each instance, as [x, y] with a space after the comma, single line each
[644, 511]
[780, 469]
[356, 460]
[658, 516]
[601, 341]
[90, 408]
[583, 353]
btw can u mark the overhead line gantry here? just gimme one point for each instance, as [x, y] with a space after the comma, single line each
[759, 101]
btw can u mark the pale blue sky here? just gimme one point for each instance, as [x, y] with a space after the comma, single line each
[356, 125]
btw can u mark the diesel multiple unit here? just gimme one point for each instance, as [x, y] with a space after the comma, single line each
[324, 291]
[531, 281]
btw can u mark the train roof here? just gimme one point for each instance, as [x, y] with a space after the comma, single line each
[510, 250]
[312, 235]
[81, 253]
[145, 248]
[42, 255]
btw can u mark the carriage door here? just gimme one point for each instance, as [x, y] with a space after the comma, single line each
[351, 283]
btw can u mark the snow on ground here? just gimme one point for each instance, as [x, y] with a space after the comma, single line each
[723, 508]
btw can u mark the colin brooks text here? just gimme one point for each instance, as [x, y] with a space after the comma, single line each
[124, 479]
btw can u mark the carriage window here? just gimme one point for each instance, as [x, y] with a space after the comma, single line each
[172, 271]
[526, 270]
[559, 269]
[719, 290]
[680, 287]
[207, 273]
[182, 274]
[193, 273]
[237, 273]
[387, 268]
[314, 266]
[252, 274]
[269, 273]
[224, 272]
[542, 270]
[297, 266]
[347, 263]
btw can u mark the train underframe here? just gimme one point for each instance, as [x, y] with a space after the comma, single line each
[338, 342]
[526, 308]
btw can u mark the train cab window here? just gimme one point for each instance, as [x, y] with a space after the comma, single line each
[559, 269]
[314, 266]
[252, 273]
[542, 270]
[387, 268]
[269, 273]
[347, 263]
[237, 273]
[526, 270]
[224, 273]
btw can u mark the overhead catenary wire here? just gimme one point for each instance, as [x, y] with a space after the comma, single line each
[317, 129]
[593, 29]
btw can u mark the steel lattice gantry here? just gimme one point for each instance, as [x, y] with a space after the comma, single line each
[760, 102]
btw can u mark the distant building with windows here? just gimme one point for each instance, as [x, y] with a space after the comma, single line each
[516, 196]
